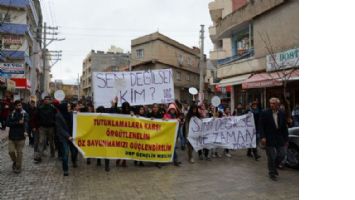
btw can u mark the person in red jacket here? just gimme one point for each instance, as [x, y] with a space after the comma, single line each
[172, 113]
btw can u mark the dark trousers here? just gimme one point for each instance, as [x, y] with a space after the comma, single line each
[205, 151]
[65, 151]
[107, 162]
[73, 152]
[274, 157]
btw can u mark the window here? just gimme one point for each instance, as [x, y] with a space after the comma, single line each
[180, 59]
[178, 76]
[243, 41]
[140, 53]
[5, 17]
[188, 77]
[189, 61]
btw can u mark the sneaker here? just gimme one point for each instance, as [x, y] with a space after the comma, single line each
[38, 160]
[158, 165]
[177, 164]
[200, 157]
[228, 155]
[192, 161]
[17, 171]
[218, 155]
[214, 155]
[256, 157]
[107, 168]
[273, 177]
[13, 165]
[66, 174]
[208, 158]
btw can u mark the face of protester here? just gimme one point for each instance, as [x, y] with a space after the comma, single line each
[228, 111]
[155, 108]
[172, 111]
[19, 107]
[141, 111]
[33, 104]
[47, 101]
[240, 106]
[77, 108]
[69, 107]
[91, 109]
[254, 106]
[273, 104]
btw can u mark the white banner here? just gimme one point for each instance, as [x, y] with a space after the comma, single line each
[237, 132]
[135, 87]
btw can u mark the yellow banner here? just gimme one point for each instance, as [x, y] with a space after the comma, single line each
[115, 136]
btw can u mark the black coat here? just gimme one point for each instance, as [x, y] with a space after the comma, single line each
[62, 127]
[17, 131]
[275, 137]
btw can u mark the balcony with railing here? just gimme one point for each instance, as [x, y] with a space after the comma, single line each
[241, 55]
[218, 54]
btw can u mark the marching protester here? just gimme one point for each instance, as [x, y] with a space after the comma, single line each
[101, 109]
[172, 113]
[203, 114]
[155, 114]
[17, 121]
[6, 106]
[227, 113]
[274, 134]
[46, 121]
[33, 125]
[193, 112]
[140, 112]
[63, 133]
[256, 113]
[127, 110]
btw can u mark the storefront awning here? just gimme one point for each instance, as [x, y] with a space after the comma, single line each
[264, 80]
[22, 83]
[237, 80]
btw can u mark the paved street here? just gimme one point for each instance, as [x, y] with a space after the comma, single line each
[238, 177]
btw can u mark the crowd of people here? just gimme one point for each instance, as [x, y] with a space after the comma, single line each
[49, 125]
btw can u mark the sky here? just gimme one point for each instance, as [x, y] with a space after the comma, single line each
[90, 24]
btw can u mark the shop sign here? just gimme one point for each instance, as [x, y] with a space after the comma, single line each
[12, 40]
[282, 60]
[12, 68]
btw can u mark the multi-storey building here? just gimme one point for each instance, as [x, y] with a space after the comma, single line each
[97, 62]
[255, 41]
[20, 45]
[157, 51]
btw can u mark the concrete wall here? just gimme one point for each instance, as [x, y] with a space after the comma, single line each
[282, 27]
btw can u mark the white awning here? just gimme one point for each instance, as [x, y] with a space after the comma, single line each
[237, 80]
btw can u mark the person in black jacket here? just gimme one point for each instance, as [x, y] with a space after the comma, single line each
[46, 121]
[17, 121]
[253, 152]
[274, 134]
[63, 133]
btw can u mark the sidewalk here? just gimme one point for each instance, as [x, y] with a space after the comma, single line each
[3, 136]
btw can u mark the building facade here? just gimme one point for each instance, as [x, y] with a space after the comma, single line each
[20, 46]
[157, 51]
[255, 49]
[97, 62]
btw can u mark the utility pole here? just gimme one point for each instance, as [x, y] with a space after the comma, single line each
[202, 57]
[53, 31]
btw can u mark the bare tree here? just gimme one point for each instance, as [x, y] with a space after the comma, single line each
[283, 69]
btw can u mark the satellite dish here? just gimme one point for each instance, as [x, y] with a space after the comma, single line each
[59, 95]
[216, 101]
[193, 91]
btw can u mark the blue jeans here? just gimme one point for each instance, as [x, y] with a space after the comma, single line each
[181, 137]
[65, 151]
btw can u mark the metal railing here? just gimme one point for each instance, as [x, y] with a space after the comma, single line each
[248, 53]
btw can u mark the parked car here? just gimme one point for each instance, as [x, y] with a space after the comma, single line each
[292, 155]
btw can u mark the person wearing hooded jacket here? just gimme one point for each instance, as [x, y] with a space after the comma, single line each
[172, 113]
[63, 132]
